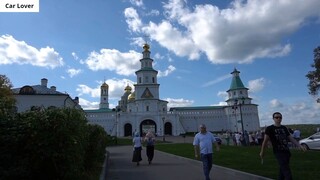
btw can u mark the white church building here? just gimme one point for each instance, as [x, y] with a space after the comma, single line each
[142, 110]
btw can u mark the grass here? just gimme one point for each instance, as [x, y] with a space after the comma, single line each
[304, 165]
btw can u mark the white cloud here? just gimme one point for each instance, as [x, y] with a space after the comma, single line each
[137, 2]
[172, 39]
[138, 41]
[88, 105]
[316, 105]
[303, 111]
[153, 12]
[13, 51]
[298, 107]
[220, 104]
[243, 32]
[179, 102]
[257, 85]
[116, 88]
[275, 103]
[74, 55]
[167, 72]
[223, 94]
[113, 60]
[217, 80]
[73, 72]
[132, 19]
[84, 89]
[158, 56]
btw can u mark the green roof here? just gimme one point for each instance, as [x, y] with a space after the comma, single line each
[196, 108]
[98, 110]
[146, 69]
[236, 82]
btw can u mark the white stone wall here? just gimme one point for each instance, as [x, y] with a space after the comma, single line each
[25, 102]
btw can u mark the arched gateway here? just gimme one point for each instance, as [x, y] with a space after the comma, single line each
[147, 125]
[127, 129]
[167, 128]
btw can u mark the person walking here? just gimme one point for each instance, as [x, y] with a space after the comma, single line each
[150, 140]
[227, 137]
[202, 142]
[259, 137]
[279, 136]
[137, 148]
[296, 135]
[238, 138]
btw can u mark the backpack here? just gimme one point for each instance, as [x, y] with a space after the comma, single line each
[150, 141]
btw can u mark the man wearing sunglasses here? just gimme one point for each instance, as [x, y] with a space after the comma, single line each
[279, 136]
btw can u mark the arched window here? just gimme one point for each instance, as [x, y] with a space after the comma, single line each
[27, 90]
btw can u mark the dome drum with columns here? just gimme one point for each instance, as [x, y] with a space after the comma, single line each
[142, 110]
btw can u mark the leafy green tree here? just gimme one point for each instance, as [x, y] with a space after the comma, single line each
[7, 100]
[314, 76]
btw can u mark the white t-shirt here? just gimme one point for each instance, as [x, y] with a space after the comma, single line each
[136, 142]
[204, 141]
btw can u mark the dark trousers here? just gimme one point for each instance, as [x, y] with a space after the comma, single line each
[207, 164]
[283, 161]
[150, 152]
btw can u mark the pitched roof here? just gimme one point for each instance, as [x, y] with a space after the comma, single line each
[37, 90]
[236, 82]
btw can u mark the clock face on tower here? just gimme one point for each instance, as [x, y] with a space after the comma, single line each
[147, 94]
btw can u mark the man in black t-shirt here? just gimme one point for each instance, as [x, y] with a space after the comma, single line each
[279, 136]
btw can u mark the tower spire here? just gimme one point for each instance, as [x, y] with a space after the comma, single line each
[236, 82]
[146, 46]
[237, 90]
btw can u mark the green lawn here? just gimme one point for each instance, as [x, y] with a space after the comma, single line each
[304, 165]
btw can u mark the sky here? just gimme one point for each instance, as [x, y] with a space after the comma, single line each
[79, 44]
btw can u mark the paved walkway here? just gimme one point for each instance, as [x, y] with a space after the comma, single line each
[165, 166]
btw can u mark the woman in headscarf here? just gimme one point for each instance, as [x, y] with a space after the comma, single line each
[150, 140]
[137, 148]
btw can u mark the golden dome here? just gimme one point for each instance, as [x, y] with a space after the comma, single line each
[132, 96]
[128, 88]
[146, 47]
[105, 85]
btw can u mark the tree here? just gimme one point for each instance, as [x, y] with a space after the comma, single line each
[51, 144]
[7, 100]
[314, 76]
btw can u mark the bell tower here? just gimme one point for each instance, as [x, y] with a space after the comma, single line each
[147, 86]
[104, 104]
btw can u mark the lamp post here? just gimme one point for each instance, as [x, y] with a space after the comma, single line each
[164, 138]
[117, 124]
[236, 103]
[235, 116]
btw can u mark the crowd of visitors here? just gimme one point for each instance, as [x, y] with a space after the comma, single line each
[246, 139]
[276, 136]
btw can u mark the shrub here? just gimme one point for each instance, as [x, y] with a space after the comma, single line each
[49, 144]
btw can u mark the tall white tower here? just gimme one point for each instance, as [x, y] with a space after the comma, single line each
[147, 86]
[145, 97]
[237, 92]
[104, 104]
